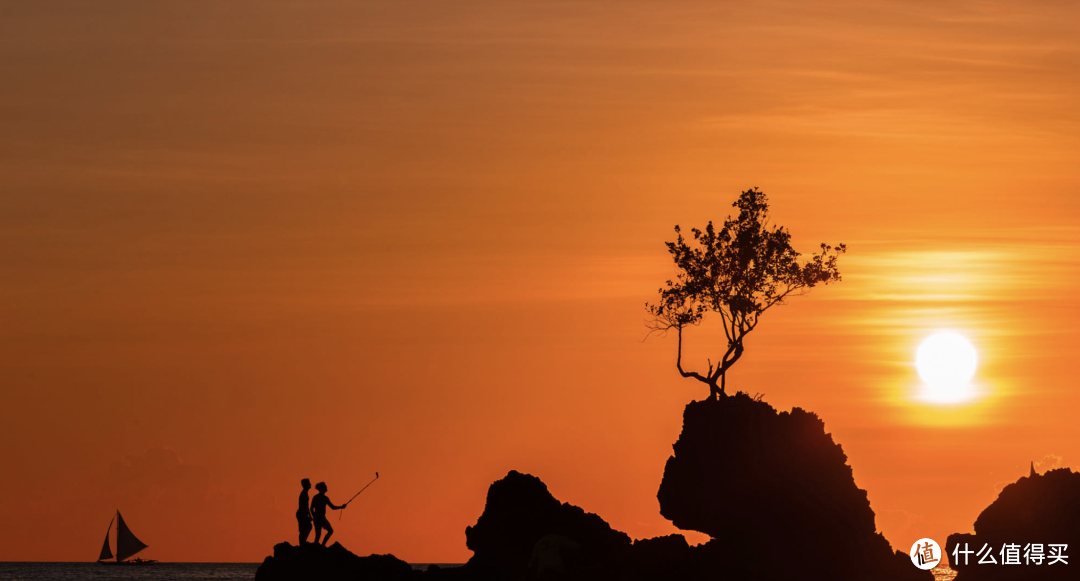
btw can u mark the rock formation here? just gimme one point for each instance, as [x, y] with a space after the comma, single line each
[333, 563]
[776, 495]
[525, 533]
[773, 490]
[1036, 509]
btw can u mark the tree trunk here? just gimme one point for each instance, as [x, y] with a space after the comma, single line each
[722, 370]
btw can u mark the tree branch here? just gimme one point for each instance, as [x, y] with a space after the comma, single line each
[678, 361]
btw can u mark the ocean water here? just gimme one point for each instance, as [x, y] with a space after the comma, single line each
[184, 571]
[158, 572]
[943, 573]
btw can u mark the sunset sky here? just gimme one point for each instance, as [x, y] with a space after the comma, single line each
[245, 243]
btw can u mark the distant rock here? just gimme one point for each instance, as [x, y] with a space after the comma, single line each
[334, 563]
[776, 495]
[1036, 509]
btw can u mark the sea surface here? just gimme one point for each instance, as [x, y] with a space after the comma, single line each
[158, 572]
[183, 571]
[943, 573]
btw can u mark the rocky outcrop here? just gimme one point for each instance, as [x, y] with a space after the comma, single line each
[669, 557]
[775, 493]
[525, 533]
[1038, 509]
[773, 490]
[333, 563]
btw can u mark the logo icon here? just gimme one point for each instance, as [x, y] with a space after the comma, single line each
[925, 554]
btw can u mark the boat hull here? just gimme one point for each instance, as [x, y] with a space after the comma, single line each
[131, 563]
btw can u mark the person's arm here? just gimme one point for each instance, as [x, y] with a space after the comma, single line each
[335, 507]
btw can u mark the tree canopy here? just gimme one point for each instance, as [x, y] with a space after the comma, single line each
[739, 271]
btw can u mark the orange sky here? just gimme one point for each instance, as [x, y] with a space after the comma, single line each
[249, 242]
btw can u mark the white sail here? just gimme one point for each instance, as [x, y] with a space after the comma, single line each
[126, 542]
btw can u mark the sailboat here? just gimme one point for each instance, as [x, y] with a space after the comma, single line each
[127, 545]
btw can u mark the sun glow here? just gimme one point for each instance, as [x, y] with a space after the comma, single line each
[946, 362]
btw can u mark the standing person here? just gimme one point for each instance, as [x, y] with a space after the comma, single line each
[303, 513]
[318, 511]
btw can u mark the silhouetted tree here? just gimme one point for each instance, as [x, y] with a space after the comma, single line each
[740, 272]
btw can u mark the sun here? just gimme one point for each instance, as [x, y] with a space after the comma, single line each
[946, 362]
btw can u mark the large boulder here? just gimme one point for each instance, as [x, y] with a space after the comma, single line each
[334, 563]
[525, 533]
[1038, 509]
[775, 493]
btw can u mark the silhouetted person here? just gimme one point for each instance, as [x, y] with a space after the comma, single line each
[303, 513]
[318, 512]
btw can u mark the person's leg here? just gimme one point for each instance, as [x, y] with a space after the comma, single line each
[305, 530]
[329, 531]
[318, 531]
